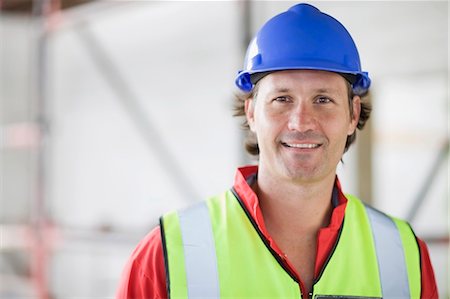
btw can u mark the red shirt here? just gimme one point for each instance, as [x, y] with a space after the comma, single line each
[144, 276]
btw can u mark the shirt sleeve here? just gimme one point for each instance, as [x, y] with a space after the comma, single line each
[429, 288]
[144, 275]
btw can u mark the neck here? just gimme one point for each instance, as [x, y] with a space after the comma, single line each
[303, 206]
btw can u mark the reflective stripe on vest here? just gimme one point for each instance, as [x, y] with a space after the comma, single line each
[390, 257]
[373, 256]
[199, 252]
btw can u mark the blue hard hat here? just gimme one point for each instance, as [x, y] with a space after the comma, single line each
[303, 38]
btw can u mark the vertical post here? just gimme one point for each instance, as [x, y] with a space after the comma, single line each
[365, 142]
[41, 9]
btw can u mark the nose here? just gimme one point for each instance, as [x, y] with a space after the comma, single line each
[301, 118]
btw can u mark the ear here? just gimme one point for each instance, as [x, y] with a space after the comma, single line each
[356, 102]
[250, 112]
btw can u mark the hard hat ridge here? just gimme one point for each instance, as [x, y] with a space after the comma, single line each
[302, 38]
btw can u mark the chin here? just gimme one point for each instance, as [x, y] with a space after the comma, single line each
[302, 174]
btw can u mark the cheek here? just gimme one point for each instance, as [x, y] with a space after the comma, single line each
[336, 125]
[270, 123]
[267, 127]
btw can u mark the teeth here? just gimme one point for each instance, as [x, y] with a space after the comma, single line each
[306, 145]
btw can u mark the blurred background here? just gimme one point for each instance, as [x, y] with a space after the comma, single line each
[114, 112]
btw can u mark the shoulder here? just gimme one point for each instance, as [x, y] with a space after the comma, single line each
[383, 226]
[428, 280]
[147, 258]
[148, 247]
[144, 274]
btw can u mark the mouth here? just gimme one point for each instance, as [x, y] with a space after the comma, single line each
[302, 145]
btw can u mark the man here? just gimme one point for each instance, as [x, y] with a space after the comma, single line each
[285, 229]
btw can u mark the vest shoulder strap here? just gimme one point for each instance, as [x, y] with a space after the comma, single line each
[194, 250]
[391, 259]
[398, 260]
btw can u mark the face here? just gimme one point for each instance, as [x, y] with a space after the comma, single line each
[301, 119]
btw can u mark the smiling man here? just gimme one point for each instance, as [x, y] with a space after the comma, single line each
[301, 119]
[285, 229]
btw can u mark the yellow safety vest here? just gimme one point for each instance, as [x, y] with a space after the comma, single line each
[215, 250]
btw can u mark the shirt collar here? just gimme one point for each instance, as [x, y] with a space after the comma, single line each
[247, 175]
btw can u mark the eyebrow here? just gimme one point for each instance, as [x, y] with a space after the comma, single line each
[317, 90]
[282, 89]
[325, 90]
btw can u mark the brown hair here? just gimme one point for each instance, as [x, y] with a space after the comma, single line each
[251, 144]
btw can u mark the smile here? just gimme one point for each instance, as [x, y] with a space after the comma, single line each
[302, 145]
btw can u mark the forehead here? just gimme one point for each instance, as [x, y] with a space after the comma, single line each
[303, 80]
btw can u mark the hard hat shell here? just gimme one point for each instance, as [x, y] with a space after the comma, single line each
[303, 38]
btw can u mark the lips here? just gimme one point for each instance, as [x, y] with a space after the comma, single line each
[302, 141]
[302, 145]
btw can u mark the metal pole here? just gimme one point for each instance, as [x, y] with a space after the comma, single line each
[365, 169]
[41, 9]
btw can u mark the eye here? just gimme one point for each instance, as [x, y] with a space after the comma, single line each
[282, 99]
[323, 100]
